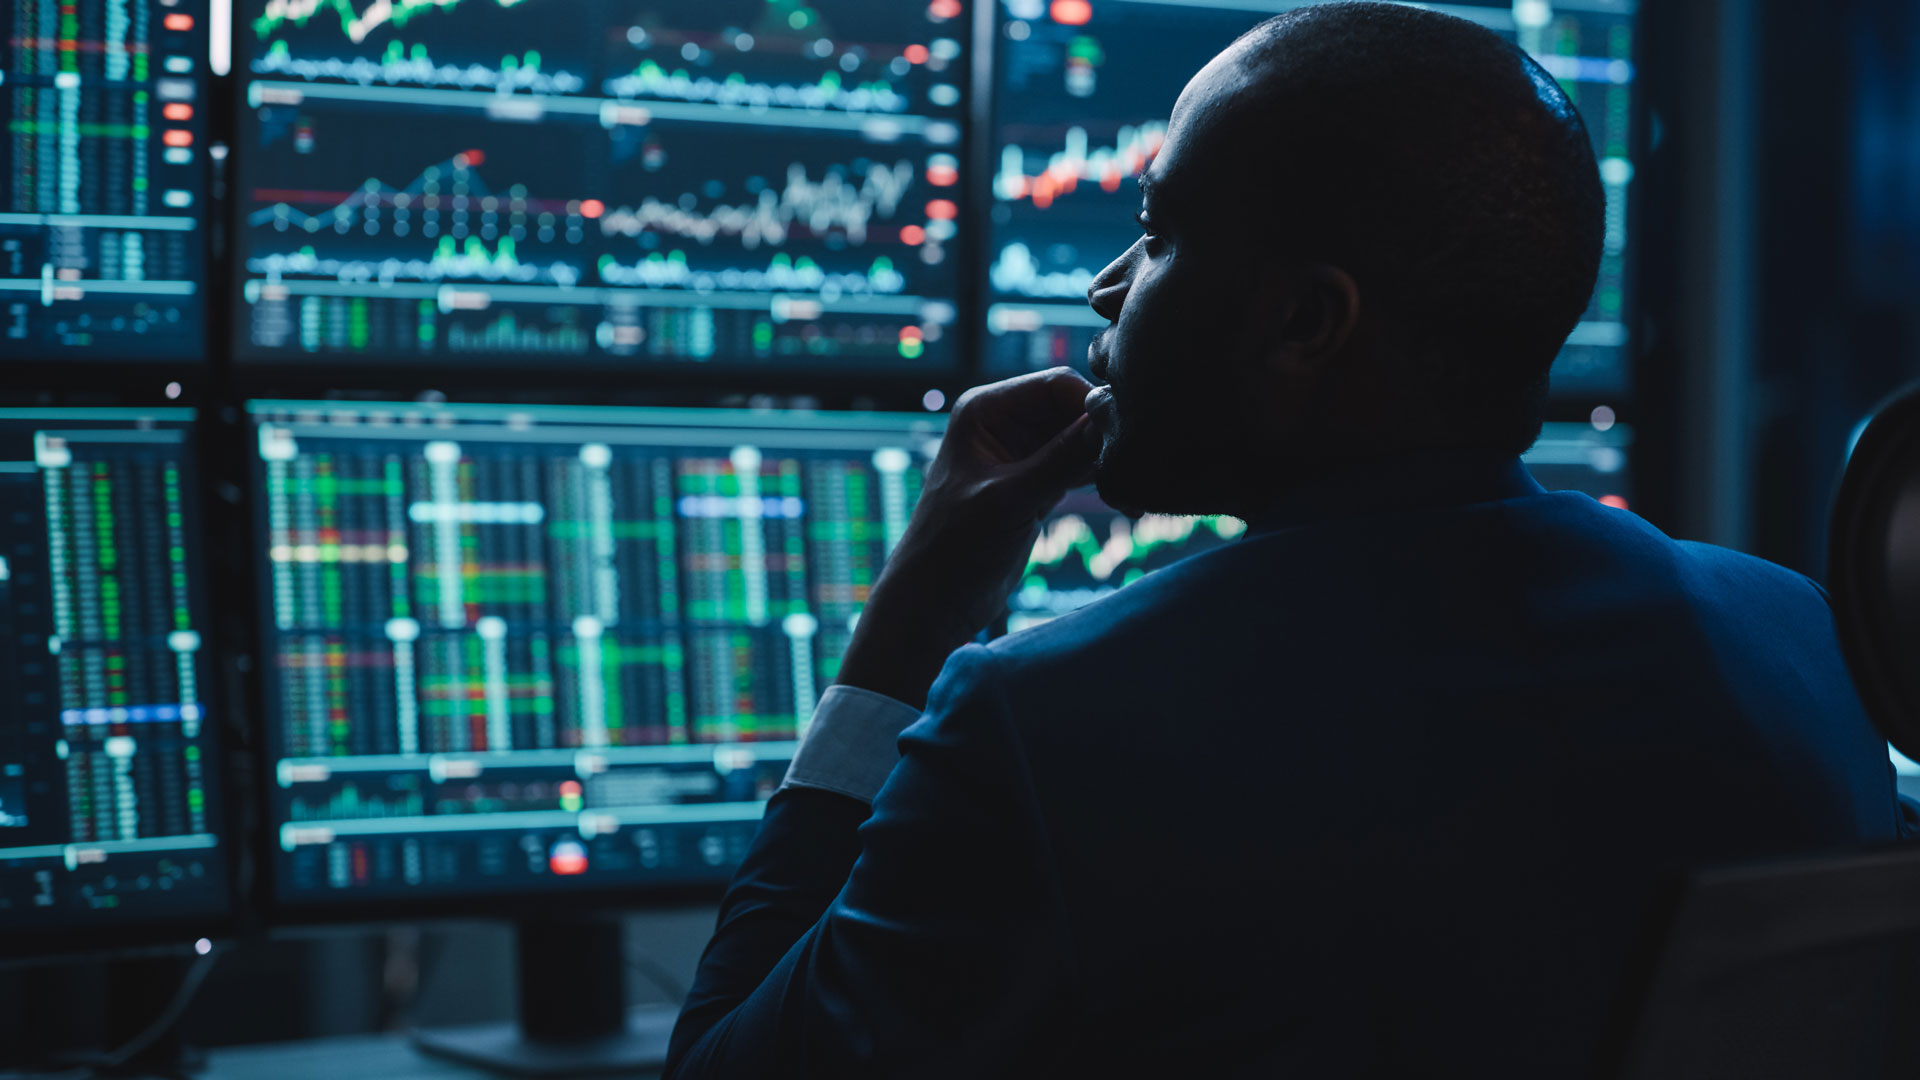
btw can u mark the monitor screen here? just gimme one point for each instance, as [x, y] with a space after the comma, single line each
[109, 793]
[553, 648]
[1087, 549]
[768, 184]
[1082, 90]
[102, 180]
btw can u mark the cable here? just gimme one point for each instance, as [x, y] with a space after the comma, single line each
[427, 960]
[169, 1016]
[127, 1051]
[662, 979]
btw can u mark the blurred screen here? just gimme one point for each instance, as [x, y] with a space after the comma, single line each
[1087, 550]
[109, 772]
[103, 180]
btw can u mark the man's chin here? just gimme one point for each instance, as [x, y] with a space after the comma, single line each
[1115, 495]
[1135, 490]
[1184, 475]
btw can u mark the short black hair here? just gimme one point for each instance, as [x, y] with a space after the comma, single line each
[1449, 174]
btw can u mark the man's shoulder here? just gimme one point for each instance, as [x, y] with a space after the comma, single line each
[1222, 588]
[1134, 627]
[1747, 576]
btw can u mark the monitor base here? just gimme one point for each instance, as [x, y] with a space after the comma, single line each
[503, 1048]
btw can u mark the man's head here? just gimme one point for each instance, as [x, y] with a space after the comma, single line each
[1369, 231]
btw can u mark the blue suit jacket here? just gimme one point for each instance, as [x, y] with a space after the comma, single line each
[1387, 788]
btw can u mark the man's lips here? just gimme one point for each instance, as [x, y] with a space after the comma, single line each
[1097, 357]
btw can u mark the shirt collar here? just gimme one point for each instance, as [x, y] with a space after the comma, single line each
[1429, 480]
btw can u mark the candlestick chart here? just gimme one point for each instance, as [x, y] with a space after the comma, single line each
[555, 621]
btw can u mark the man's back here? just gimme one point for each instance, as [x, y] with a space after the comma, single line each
[1391, 787]
[1388, 787]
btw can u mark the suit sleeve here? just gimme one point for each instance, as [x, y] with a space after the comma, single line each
[929, 940]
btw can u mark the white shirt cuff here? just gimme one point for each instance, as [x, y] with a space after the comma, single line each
[849, 747]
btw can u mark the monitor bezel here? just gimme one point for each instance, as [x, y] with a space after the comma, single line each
[282, 911]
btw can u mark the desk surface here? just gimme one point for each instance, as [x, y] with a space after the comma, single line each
[352, 1057]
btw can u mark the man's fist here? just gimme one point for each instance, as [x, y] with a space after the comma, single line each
[1012, 449]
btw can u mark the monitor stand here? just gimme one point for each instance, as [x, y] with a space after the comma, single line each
[572, 1013]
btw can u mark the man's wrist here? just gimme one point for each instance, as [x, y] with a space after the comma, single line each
[850, 745]
[901, 672]
[898, 648]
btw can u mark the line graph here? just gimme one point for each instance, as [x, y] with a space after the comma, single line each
[1132, 151]
[746, 182]
[449, 262]
[1073, 564]
[1017, 272]
[650, 80]
[414, 66]
[820, 207]
[1126, 544]
[356, 25]
[783, 273]
[454, 182]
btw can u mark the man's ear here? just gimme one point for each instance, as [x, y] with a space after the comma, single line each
[1311, 312]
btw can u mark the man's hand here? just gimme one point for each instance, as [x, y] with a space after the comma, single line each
[1012, 449]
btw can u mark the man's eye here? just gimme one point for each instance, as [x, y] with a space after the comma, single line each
[1148, 233]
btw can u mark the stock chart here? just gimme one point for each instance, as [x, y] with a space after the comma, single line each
[107, 766]
[768, 183]
[1082, 90]
[102, 249]
[514, 646]
[1088, 550]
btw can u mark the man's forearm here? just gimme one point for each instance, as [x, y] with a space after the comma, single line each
[798, 863]
[894, 652]
[859, 944]
[800, 858]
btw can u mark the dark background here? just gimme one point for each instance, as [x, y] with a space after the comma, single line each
[1778, 235]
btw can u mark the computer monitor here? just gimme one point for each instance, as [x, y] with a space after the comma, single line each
[103, 180]
[110, 798]
[1081, 94]
[544, 652]
[529, 661]
[1087, 549]
[760, 184]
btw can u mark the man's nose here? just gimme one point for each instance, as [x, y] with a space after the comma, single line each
[1109, 289]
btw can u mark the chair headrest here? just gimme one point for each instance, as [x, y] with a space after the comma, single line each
[1874, 568]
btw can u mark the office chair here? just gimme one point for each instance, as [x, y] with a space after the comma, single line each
[1809, 969]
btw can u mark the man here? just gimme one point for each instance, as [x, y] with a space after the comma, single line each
[1386, 788]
